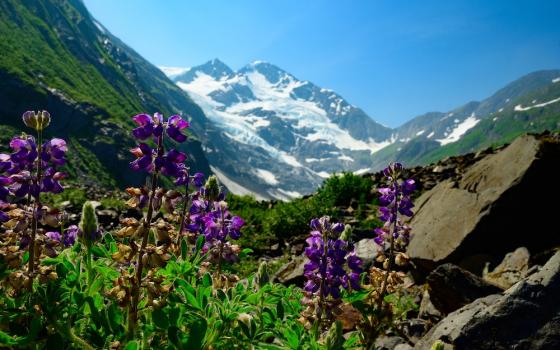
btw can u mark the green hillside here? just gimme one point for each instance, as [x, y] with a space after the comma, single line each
[56, 57]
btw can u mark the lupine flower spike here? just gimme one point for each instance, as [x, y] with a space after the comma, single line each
[394, 236]
[331, 267]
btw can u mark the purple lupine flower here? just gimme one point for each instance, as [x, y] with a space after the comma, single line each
[217, 225]
[145, 127]
[329, 256]
[175, 124]
[51, 181]
[70, 235]
[4, 181]
[54, 236]
[394, 199]
[170, 163]
[144, 155]
[198, 180]
[21, 166]
[54, 151]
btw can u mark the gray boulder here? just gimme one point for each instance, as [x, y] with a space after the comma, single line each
[292, 271]
[526, 316]
[511, 270]
[451, 287]
[366, 249]
[490, 210]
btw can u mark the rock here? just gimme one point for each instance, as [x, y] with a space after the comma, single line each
[414, 329]
[427, 309]
[451, 287]
[366, 249]
[485, 212]
[403, 347]
[349, 316]
[388, 342]
[65, 205]
[511, 270]
[108, 218]
[292, 272]
[526, 316]
[297, 248]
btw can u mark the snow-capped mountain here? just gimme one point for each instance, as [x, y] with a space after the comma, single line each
[300, 133]
[274, 136]
[528, 104]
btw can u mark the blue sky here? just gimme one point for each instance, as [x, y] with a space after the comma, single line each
[394, 59]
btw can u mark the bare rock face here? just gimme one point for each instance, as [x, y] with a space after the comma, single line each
[511, 270]
[292, 272]
[491, 209]
[526, 316]
[451, 287]
[366, 249]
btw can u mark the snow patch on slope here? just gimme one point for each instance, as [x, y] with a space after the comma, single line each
[520, 108]
[233, 186]
[267, 176]
[459, 130]
[172, 72]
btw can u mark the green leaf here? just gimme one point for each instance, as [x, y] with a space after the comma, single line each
[172, 334]
[280, 310]
[160, 318]
[6, 339]
[197, 334]
[25, 258]
[199, 243]
[357, 295]
[115, 317]
[184, 248]
[99, 251]
[131, 345]
[245, 252]
[174, 316]
[206, 280]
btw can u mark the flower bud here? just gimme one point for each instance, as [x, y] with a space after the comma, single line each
[245, 318]
[263, 276]
[88, 225]
[212, 188]
[438, 345]
[334, 338]
[37, 120]
[401, 259]
[346, 233]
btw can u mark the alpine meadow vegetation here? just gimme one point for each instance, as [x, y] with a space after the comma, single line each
[167, 278]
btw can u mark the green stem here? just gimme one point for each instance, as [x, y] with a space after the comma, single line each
[183, 216]
[69, 333]
[89, 263]
[135, 292]
[36, 204]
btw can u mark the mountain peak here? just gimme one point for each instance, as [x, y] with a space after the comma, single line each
[271, 72]
[215, 68]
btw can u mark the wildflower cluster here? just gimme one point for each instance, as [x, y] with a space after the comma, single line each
[392, 239]
[395, 199]
[199, 210]
[331, 266]
[29, 170]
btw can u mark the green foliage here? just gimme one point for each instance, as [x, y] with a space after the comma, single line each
[76, 197]
[268, 222]
[114, 203]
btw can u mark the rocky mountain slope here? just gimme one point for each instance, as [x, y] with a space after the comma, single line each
[290, 133]
[55, 56]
